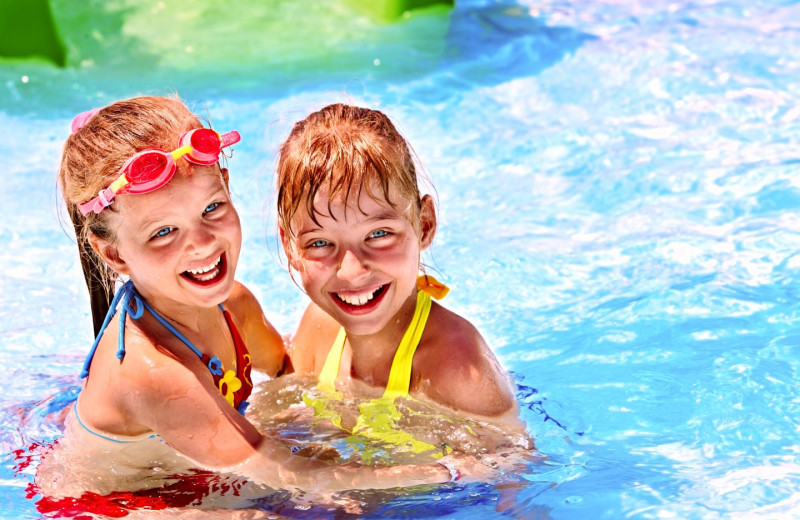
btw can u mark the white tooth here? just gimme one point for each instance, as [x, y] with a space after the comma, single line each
[357, 299]
[206, 269]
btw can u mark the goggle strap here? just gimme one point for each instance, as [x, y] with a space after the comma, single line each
[229, 138]
[180, 152]
[87, 207]
[115, 186]
[106, 197]
[103, 200]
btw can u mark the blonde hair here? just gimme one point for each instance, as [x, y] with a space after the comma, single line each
[340, 149]
[92, 157]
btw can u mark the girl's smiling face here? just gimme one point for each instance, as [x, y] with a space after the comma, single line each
[180, 244]
[358, 259]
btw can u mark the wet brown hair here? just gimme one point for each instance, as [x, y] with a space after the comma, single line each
[91, 159]
[341, 149]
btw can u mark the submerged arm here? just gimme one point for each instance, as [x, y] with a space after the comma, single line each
[197, 422]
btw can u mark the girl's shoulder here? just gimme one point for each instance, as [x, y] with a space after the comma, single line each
[241, 301]
[118, 392]
[462, 370]
[134, 355]
[149, 364]
[446, 331]
[244, 308]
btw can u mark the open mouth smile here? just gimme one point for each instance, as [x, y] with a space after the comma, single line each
[360, 302]
[208, 274]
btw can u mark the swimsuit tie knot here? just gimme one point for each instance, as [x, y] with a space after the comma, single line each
[129, 294]
[136, 308]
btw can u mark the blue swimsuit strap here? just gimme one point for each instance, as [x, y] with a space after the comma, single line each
[126, 294]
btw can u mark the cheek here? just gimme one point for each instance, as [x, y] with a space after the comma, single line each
[232, 231]
[128, 253]
[312, 279]
[404, 253]
[312, 271]
[297, 261]
[234, 224]
[237, 238]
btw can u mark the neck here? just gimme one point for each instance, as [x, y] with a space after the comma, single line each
[197, 324]
[372, 354]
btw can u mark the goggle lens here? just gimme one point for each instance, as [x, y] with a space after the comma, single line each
[146, 168]
[206, 141]
[206, 144]
[148, 171]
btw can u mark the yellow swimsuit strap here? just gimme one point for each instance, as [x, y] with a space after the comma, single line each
[327, 378]
[400, 373]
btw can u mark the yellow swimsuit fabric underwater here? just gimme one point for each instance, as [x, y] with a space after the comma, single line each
[378, 417]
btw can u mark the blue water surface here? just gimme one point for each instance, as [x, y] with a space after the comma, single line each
[618, 186]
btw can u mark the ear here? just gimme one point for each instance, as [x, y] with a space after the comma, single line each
[225, 176]
[289, 249]
[109, 253]
[427, 221]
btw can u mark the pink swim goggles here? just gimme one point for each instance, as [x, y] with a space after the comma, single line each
[149, 170]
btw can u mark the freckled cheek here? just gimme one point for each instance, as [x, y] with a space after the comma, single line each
[236, 240]
[231, 226]
[396, 259]
[170, 249]
[314, 271]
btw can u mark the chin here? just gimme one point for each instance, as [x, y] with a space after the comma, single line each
[362, 329]
[369, 325]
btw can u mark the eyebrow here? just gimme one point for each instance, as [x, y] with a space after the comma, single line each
[384, 216]
[309, 231]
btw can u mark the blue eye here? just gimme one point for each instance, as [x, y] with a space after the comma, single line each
[211, 207]
[318, 243]
[163, 232]
[378, 233]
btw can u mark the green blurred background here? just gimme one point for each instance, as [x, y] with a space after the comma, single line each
[57, 51]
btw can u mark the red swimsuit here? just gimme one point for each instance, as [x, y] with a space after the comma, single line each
[235, 387]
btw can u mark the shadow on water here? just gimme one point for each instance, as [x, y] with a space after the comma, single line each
[488, 45]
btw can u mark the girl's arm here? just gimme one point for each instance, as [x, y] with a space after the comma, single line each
[185, 409]
[265, 344]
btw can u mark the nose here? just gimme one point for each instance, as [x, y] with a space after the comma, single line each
[201, 239]
[351, 267]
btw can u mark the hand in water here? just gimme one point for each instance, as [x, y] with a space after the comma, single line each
[468, 468]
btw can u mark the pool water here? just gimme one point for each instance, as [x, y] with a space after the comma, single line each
[618, 187]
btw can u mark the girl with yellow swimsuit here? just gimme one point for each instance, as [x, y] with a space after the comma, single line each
[353, 225]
